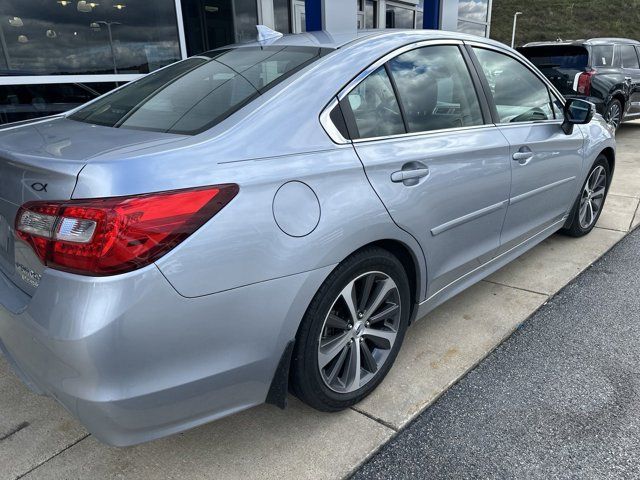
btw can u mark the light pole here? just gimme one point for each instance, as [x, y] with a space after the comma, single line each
[3, 44]
[513, 33]
[113, 52]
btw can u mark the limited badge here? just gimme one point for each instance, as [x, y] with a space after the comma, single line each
[28, 275]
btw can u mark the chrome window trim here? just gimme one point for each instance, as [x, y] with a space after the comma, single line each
[325, 115]
[381, 61]
[337, 138]
[423, 134]
[555, 121]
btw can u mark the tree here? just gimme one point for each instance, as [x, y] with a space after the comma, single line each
[565, 19]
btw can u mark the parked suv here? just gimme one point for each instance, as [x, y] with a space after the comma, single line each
[605, 71]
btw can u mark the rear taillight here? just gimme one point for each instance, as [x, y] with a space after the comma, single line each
[106, 236]
[583, 82]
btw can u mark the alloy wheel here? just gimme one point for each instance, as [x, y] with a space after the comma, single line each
[614, 114]
[592, 197]
[359, 332]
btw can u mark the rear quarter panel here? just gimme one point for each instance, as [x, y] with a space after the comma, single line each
[243, 244]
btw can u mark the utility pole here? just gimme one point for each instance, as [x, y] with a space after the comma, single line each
[513, 33]
[113, 52]
[5, 51]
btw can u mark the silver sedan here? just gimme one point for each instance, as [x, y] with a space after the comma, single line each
[271, 217]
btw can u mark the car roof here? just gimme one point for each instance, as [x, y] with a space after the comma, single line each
[330, 40]
[588, 41]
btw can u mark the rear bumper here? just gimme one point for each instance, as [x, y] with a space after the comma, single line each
[134, 361]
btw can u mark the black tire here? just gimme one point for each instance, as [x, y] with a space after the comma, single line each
[614, 106]
[573, 226]
[307, 381]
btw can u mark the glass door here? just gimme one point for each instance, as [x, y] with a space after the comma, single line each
[299, 17]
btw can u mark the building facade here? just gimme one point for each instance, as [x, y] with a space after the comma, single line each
[56, 54]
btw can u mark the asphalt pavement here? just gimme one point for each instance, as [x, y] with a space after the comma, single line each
[558, 399]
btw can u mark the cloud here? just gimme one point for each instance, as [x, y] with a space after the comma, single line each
[476, 10]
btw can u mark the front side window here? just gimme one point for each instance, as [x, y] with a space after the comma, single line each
[192, 96]
[375, 108]
[48, 37]
[629, 56]
[519, 95]
[435, 89]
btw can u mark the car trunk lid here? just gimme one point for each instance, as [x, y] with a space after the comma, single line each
[559, 63]
[41, 161]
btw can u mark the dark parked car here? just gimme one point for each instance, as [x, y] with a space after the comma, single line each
[605, 71]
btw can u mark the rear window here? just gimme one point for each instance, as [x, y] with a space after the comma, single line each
[191, 96]
[602, 55]
[557, 57]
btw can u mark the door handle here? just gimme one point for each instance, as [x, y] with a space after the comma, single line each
[523, 156]
[409, 177]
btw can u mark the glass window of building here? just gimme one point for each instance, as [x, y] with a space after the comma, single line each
[210, 24]
[299, 17]
[282, 15]
[420, 14]
[43, 37]
[367, 13]
[473, 17]
[400, 16]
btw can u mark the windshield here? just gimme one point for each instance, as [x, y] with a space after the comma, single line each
[558, 57]
[191, 96]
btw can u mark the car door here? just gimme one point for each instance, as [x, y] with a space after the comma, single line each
[631, 69]
[439, 166]
[545, 162]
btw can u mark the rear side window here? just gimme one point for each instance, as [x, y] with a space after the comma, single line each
[628, 56]
[435, 89]
[193, 95]
[375, 108]
[519, 95]
[602, 56]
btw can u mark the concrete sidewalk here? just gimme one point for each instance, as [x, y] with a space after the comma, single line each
[39, 440]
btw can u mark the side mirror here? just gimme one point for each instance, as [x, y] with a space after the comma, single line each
[577, 112]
